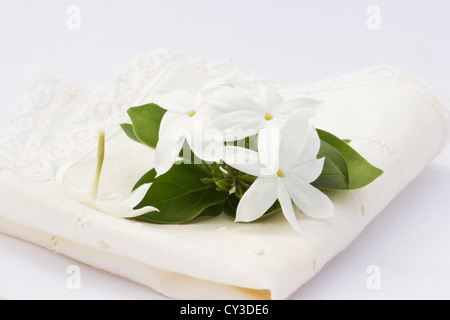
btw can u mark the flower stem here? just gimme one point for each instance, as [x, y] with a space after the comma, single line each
[226, 178]
[100, 158]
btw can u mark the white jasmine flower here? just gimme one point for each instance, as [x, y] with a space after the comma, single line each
[186, 119]
[242, 115]
[121, 205]
[118, 205]
[289, 181]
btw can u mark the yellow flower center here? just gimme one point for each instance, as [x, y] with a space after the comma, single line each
[268, 117]
[280, 173]
[191, 114]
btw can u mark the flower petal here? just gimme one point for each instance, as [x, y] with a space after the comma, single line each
[268, 97]
[257, 199]
[269, 146]
[294, 135]
[169, 146]
[244, 160]
[308, 171]
[309, 106]
[310, 200]
[286, 206]
[219, 81]
[228, 99]
[120, 205]
[177, 100]
[167, 120]
[238, 124]
[207, 144]
[311, 148]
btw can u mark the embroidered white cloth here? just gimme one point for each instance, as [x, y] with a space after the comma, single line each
[395, 121]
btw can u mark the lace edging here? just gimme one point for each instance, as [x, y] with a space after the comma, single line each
[384, 74]
[24, 136]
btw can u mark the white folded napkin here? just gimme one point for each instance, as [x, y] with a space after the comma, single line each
[395, 121]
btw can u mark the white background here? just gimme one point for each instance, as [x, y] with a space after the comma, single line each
[300, 41]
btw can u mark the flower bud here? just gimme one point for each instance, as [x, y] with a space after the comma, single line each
[223, 184]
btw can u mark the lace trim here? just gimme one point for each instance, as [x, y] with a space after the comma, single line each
[20, 132]
[383, 75]
[26, 145]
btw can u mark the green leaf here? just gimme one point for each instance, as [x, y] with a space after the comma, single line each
[128, 129]
[149, 177]
[335, 172]
[180, 195]
[213, 210]
[146, 120]
[274, 208]
[231, 204]
[360, 171]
